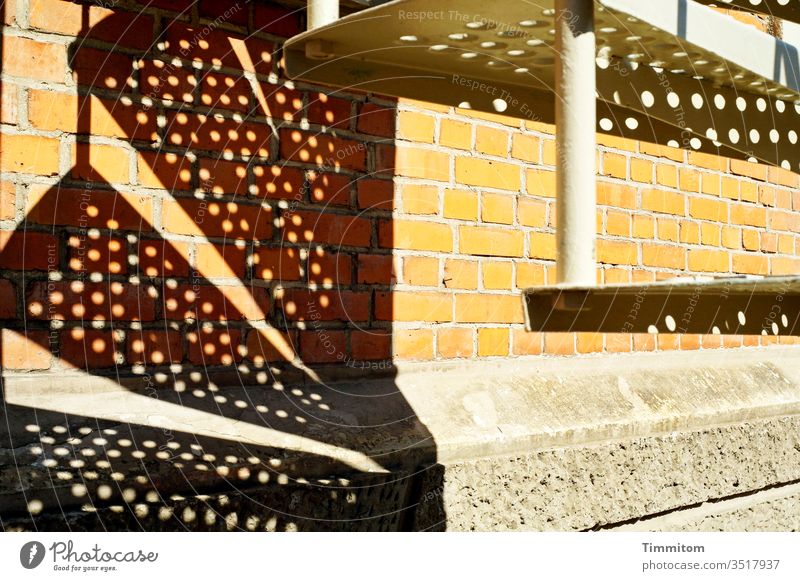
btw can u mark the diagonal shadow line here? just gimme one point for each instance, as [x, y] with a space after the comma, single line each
[206, 435]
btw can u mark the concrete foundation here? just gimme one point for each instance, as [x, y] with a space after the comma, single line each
[685, 441]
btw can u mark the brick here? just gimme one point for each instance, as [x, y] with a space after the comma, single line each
[25, 349]
[524, 343]
[432, 307]
[531, 213]
[491, 141]
[689, 180]
[375, 269]
[488, 308]
[418, 199]
[617, 195]
[781, 177]
[127, 29]
[667, 175]
[664, 256]
[94, 162]
[483, 241]
[540, 183]
[323, 150]
[227, 136]
[216, 219]
[708, 161]
[644, 342]
[785, 266]
[270, 345]
[589, 342]
[324, 305]
[525, 147]
[97, 254]
[461, 205]
[663, 202]
[329, 111]
[769, 242]
[559, 343]
[641, 170]
[543, 245]
[751, 239]
[329, 268]
[162, 258]
[750, 264]
[31, 59]
[529, 274]
[151, 347]
[454, 342]
[673, 153]
[375, 194]
[277, 20]
[618, 223]
[413, 344]
[103, 69]
[26, 250]
[455, 134]
[784, 221]
[90, 301]
[690, 232]
[329, 189]
[212, 346]
[730, 188]
[323, 346]
[371, 344]
[9, 112]
[280, 102]
[91, 208]
[29, 154]
[416, 235]
[549, 152]
[668, 229]
[222, 11]
[87, 349]
[461, 274]
[225, 92]
[748, 192]
[276, 264]
[326, 228]
[497, 275]
[164, 170]
[376, 120]
[493, 342]
[221, 260]
[214, 302]
[710, 234]
[731, 237]
[785, 244]
[644, 227]
[164, 80]
[708, 261]
[618, 342]
[613, 252]
[421, 271]
[615, 165]
[497, 208]
[706, 209]
[748, 215]
[422, 163]
[223, 177]
[8, 199]
[416, 126]
[474, 171]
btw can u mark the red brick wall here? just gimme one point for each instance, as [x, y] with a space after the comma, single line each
[168, 198]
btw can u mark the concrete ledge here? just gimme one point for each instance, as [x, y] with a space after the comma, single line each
[421, 439]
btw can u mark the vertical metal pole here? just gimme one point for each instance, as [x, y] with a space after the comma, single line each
[321, 12]
[575, 141]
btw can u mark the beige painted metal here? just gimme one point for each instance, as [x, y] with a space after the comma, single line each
[575, 146]
[500, 58]
[783, 9]
[322, 12]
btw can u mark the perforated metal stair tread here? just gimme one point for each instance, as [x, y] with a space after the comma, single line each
[672, 72]
[726, 306]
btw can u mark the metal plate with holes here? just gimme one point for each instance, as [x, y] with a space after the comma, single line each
[727, 306]
[672, 72]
